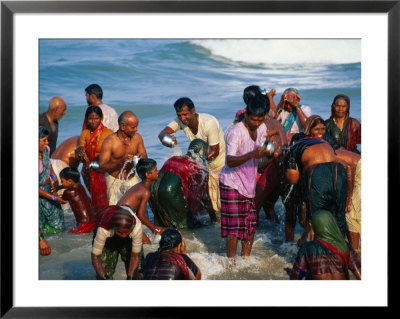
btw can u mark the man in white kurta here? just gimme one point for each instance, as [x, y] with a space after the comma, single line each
[205, 127]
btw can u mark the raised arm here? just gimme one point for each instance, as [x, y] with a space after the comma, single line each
[235, 161]
[167, 131]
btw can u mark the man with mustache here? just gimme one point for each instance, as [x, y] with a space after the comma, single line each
[116, 156]
[205, 127]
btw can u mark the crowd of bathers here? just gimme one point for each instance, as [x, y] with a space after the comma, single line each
[270, 152]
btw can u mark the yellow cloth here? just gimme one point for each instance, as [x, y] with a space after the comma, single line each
[209, 131]
[353, 218]
[213, 189]
[116, 188]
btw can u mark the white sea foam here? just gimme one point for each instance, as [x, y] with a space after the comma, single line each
[285, 51]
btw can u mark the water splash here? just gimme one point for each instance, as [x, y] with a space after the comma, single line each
[288, 194]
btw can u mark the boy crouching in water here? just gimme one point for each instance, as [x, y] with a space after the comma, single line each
[79, 201]
[138, 195]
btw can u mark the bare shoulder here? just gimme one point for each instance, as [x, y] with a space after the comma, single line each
[138, 137]
[110, 142]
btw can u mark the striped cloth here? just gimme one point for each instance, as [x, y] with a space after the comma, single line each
[238, 213]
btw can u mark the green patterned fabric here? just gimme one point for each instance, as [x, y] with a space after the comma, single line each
[326, 229]
[51, 215]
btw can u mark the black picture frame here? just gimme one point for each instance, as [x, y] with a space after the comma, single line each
[9, 8]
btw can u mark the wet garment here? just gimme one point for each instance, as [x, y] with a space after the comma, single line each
[238, 143]
[51, 215]
[104, 231]
[353, 217]
[113, 248]
[213, 189]
[176, 196]
[238, 214]
[326, 188]
[109, 246]
[295, 126]
[211, 132]
[80, 203]
[328, 253]
[349, 137]
[315, 259]
[82, 228]
[296, 151]
[92, 144]
[169, 266]
[116, 187]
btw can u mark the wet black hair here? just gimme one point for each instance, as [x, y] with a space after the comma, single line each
[145, 165]
[250, 93]
[72, 173]
[43, 132]
[170, 238]
[93, 109]
[96, 90]
[181, 102]
[258, 106]
[297, 137]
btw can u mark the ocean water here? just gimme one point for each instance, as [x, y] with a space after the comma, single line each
[148, 76]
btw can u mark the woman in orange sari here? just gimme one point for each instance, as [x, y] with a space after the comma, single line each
[91, 139]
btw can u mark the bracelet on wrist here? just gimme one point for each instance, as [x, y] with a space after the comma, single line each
[278, 111]
[298, 107]
[105, 277]
[53, 176]
[53, 198]
[41, 237]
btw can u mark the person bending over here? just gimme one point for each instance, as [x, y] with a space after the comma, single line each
[119, 232]
[328, 256]
[170, 262]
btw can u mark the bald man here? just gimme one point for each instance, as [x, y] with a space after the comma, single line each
[117, 153]
[57, 109]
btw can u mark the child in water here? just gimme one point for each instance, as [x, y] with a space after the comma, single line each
[79, 201]
[138, 195]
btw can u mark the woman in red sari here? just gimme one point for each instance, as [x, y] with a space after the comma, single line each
[91, 139]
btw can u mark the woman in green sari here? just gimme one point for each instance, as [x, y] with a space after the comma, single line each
[328, 256]
[51, 215]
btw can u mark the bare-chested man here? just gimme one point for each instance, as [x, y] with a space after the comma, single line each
[328, 179]
[138, 196]
[117, 154]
